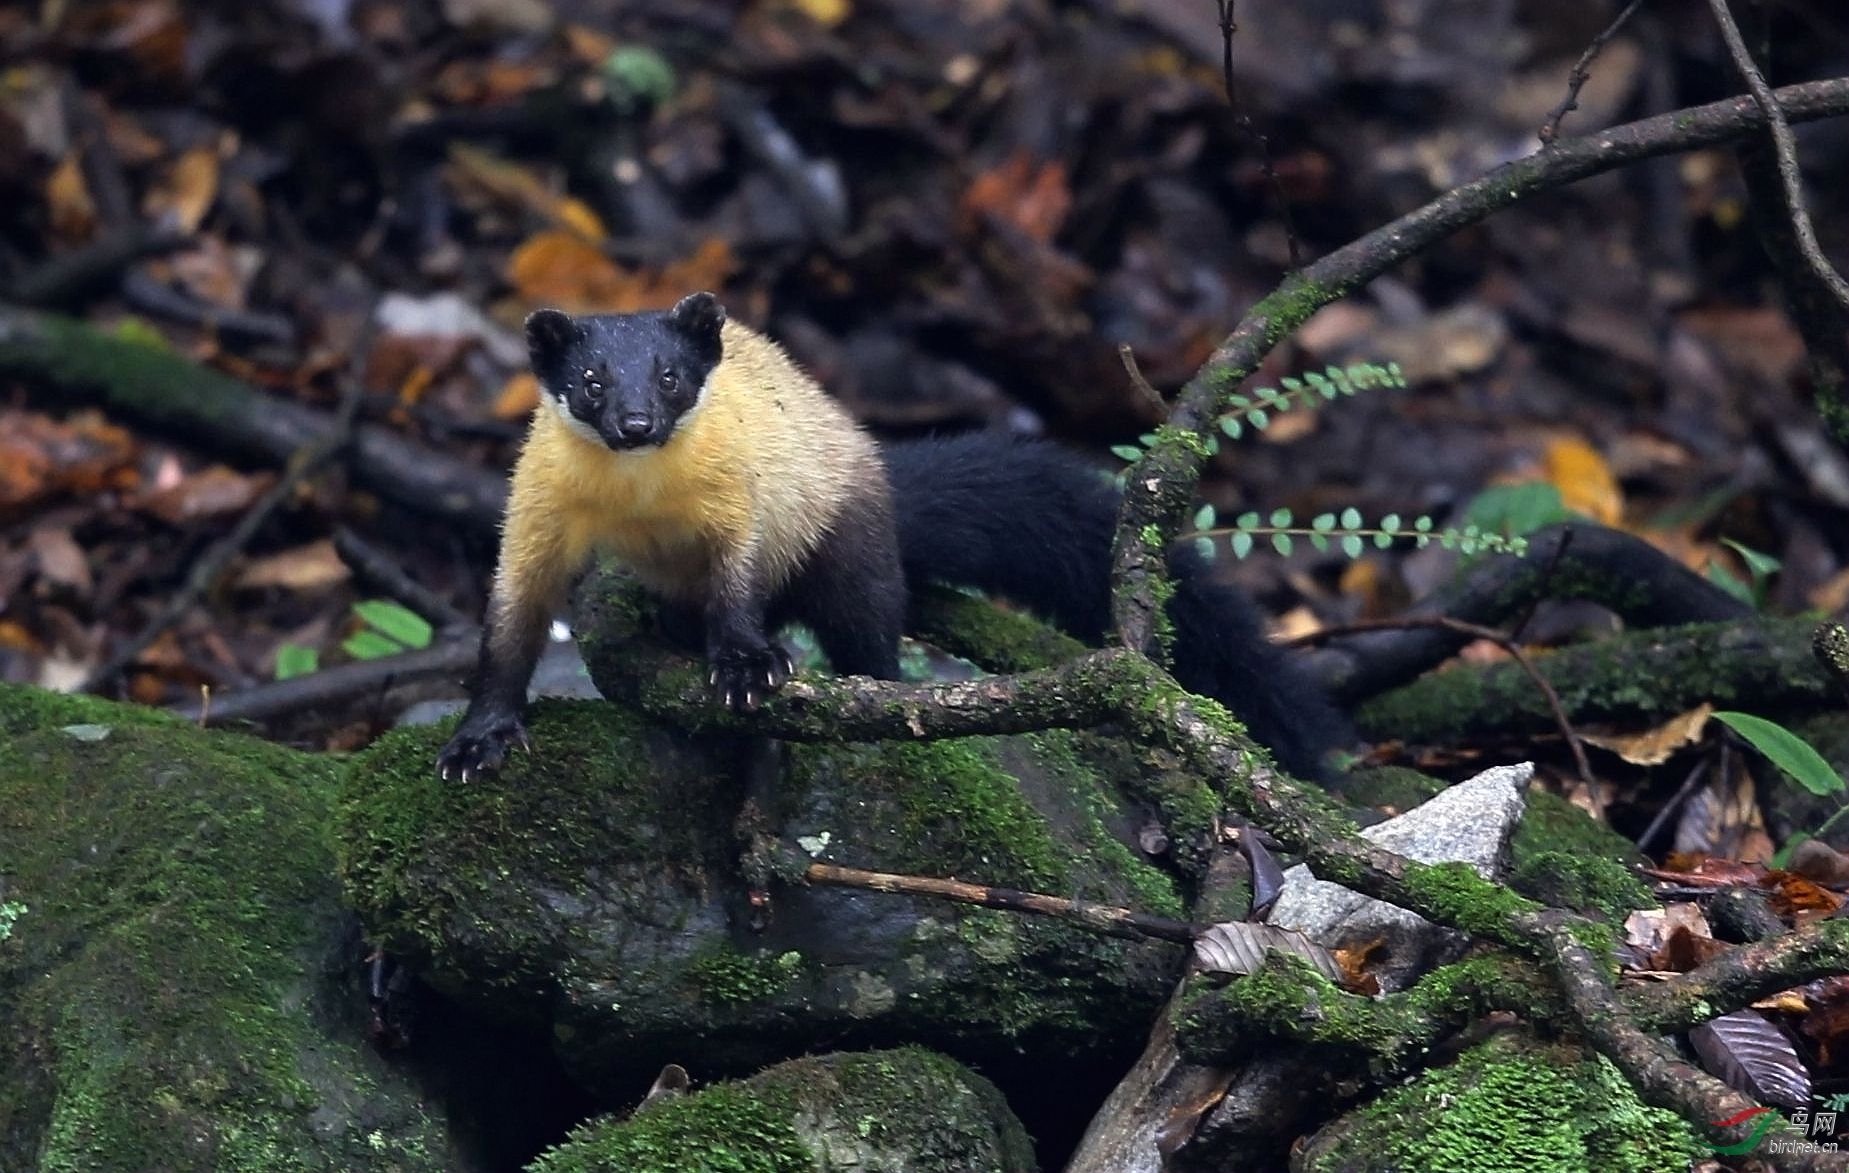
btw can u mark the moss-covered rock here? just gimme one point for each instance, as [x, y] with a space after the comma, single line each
[1508, 1106]
[592, 887]
[901, 1111]
[170, 947]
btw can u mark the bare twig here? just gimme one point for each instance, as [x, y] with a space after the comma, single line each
[1229, 25]
[332, 687]
[379, 572]
[1141, 384]
[1100, 918]
[1582, 73]
[1785, 145]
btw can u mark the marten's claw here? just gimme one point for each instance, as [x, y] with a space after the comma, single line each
[480, 746]
[742, 678]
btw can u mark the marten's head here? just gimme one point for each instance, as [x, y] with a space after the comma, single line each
[627, 380]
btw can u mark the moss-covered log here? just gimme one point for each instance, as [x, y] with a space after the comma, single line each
[594, 887]
[1764, 666]
[172, 949]
[907, 1109]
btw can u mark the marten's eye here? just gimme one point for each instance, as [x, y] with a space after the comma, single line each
[669, 380]
[593, 390]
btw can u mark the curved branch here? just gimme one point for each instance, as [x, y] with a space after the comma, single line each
[1160, 487]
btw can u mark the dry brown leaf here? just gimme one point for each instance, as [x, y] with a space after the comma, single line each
[215, 272]
[212, 492]
[1585, 481]
[1655, 746]
[1032, 197]
[60, 559]
[315, 566]
[185, 191]
[1794, 896]
[67, 194]
[1647, 930]
[41, 458]
[518, 397]
[589, 45]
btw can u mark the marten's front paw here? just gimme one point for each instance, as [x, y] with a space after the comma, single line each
[742, 677]
[480, 745]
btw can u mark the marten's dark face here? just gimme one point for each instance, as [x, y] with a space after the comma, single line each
[627, 380]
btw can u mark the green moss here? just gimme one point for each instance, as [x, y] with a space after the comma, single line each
[1391, 790]
[1552, 824]
[907, 1109]
[1465, 900]
[725, 975]
[177, 904]
[428, 864]
[1510, 1107]
[1595, 886]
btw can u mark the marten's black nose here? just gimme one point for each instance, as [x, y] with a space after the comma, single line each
[634, 425]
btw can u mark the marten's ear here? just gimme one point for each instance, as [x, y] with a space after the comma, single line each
[697, 317]
[548, 333]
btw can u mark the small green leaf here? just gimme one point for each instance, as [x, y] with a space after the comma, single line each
[1290, 384]
[370, 645]
[1786, 750]
[1232, 427]
[1127, 452]
[1204, 547]
[294, 660]
[1352, 545]
[1281, 543]
[1238, 402]
[1423, 524]
[1319, 542]
[1280, 517]
[1204, 517]
[1397, 376]
[1259, 418]
[1322, 523]
[1240, 543]
[1247, 520]
[1383, 540]
[1390, 524]
[402, 624]
[87, 732]
[1759, 565]
[1351, 518]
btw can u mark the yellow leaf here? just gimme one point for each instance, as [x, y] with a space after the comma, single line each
[73, 212]
[1585, 481]
[1653, 747]
[827, 13]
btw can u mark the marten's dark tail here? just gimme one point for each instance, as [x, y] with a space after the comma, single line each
[1032, 523]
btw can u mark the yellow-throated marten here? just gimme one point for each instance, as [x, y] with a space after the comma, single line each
[698, 453]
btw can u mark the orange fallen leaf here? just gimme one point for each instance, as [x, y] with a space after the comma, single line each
[560, 269]
[1033, 198]
[67, 194]
[518, 397]
[1585, 481]
[185, 191]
